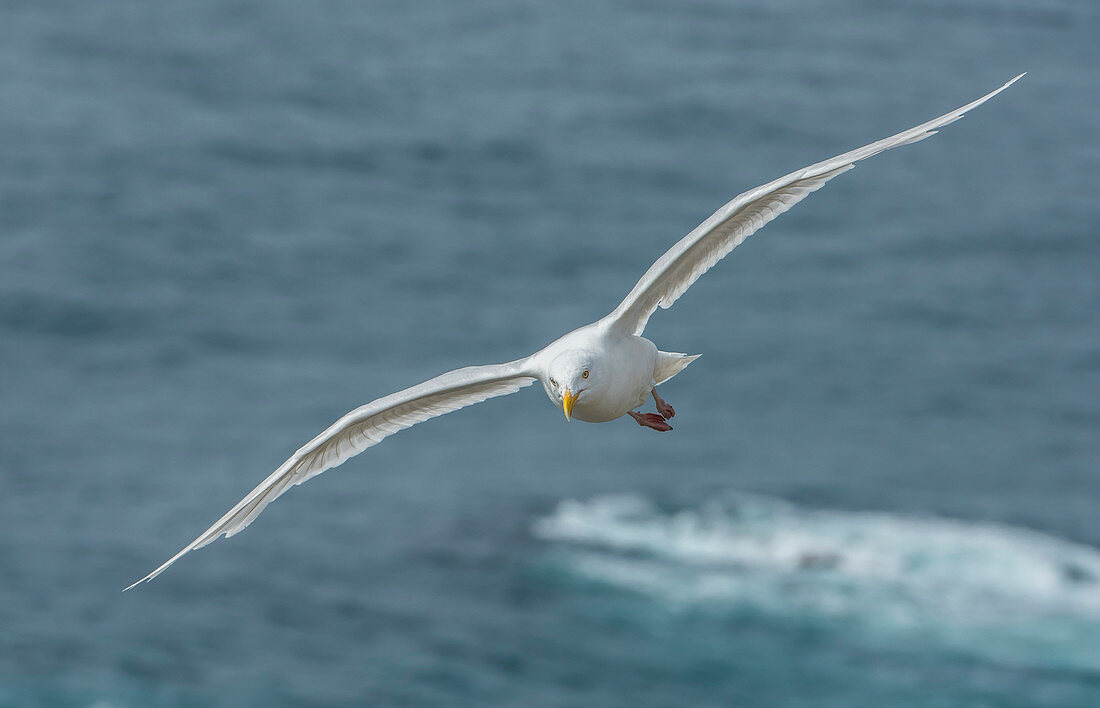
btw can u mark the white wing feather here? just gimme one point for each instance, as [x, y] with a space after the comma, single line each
[680, 266]
[365, 427]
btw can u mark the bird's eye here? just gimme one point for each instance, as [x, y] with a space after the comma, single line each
[553, 383]
[584, 374]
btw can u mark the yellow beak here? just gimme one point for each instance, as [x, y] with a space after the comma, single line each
[568, 400]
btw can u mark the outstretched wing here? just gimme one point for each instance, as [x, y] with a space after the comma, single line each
[365, 427]
[680, 266]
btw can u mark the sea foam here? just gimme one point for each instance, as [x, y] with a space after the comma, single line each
[1007, 590]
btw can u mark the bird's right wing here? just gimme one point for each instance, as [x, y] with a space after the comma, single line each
[365, 427]
[694, 254]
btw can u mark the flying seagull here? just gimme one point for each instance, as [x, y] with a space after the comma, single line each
[596, 373]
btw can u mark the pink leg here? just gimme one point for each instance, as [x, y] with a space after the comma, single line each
[662, 406]
[650, 420]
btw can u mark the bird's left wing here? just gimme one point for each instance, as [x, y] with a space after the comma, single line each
[365, 427]
[680, 266]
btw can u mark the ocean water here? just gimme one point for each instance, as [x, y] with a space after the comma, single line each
[224, 224]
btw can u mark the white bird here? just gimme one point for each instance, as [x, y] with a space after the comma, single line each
[596, 373]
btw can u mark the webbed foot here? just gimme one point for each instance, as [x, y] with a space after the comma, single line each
[651, 420]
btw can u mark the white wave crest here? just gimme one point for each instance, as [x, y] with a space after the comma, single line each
[767, 554]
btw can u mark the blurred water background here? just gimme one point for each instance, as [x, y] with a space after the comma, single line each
[224, 224]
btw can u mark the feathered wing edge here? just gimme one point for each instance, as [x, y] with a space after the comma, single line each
[365, 427]
[683, 264]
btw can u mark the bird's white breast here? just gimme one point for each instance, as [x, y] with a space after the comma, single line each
[622, 373]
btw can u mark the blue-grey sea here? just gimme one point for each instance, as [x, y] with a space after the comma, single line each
[224, 224]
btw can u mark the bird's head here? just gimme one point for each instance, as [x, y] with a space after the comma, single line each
[567, 378]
